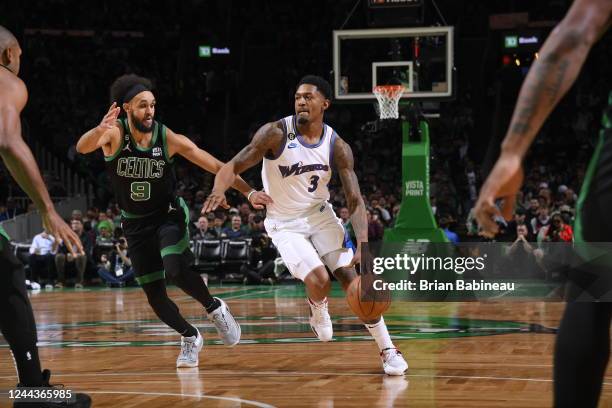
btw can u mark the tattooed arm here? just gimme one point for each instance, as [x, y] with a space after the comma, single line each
[549, 78]
[266, 140]
[343, 159]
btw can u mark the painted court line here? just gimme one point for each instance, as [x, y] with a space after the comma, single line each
[178, 394]
[501, 295]
[261, 292]
[305, 373]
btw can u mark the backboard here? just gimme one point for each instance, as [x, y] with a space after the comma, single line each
[419, 58]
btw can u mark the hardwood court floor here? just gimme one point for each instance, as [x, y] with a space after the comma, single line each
[110, 344]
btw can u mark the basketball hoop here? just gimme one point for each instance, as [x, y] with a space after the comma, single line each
[388, 97]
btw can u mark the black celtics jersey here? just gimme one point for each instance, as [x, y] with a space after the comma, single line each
[142, 179]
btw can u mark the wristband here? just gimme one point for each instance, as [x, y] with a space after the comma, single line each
[250, 194]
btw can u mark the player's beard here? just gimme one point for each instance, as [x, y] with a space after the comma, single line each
[138, 124]
[302, 120]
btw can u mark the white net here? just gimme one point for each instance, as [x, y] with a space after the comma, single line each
[388, 97]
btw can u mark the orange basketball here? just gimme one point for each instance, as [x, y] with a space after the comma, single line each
[370, 304]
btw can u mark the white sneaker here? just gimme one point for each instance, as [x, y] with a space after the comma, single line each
[227, 327]
[393, 362]
[320, 322]
[190, 350]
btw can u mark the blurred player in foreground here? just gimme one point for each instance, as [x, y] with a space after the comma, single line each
[583, 343]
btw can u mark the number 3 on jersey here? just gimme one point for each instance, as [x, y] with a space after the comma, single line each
[141, 190]
[314, 180]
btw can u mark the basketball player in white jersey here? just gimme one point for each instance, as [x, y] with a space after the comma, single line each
[299, 153]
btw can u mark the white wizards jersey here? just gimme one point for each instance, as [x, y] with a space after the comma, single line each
[297, 177]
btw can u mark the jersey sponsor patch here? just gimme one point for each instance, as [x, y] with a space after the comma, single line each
[157, 151]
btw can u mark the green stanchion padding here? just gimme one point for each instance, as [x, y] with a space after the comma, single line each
[415, 220]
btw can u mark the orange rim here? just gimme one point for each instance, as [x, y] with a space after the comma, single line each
[389, 89]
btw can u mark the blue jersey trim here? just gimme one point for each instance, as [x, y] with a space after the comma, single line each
[281, 148]
[300, 138]
[332, 142]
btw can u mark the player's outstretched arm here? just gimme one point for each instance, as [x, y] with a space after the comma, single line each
[179, 144]
[100, 135]
[343, 159]
[267, 139]
[549, 79]
[554, 72]
[19, 160]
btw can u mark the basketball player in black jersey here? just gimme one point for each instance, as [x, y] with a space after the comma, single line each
[139, 154]
[583, 343]
[16, 317]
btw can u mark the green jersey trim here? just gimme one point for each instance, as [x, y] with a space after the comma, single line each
[153, 139]
[586, 184]
[183, 244]
[165, 146]
[151, 277]
[126, 214]
[5, 235]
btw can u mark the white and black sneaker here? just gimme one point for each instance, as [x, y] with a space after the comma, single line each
[190, 351]
[227, 327]
[320, 322]
[393, 362]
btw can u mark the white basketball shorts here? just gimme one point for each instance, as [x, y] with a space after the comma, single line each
[306, 243]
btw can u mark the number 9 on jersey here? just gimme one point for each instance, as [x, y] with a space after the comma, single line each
[141, 190]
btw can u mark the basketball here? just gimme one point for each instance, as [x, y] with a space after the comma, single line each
[372, 306]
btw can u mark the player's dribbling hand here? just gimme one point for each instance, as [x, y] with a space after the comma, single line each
[214, 201]
[260, 199]
[55, 225]
[109, 120]
[504, 181]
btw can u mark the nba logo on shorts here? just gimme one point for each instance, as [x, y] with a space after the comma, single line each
[157, 151]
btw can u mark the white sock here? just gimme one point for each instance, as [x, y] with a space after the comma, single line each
[381, 334]
[319, 302]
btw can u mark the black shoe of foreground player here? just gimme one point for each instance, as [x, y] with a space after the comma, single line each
[81, 401]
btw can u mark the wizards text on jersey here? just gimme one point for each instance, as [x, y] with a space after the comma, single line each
[299, 168]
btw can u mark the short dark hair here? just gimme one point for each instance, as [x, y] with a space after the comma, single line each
[322, 85]
[124, 83]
